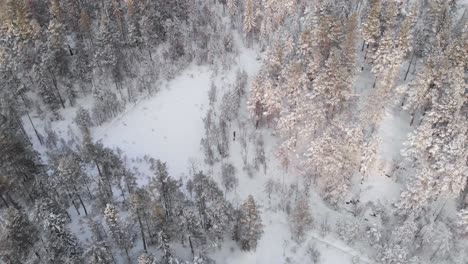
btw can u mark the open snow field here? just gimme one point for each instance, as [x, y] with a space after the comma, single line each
[168, 126]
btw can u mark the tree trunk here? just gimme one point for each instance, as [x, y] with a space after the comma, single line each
[89, 191]
[112, 255]
[409, 66]
[76, 207]
[150, 55]
[414, 67]
[128, 256]
[30, 120]
[34, 128]
[82, 205]
[191, 246]
[142, 232]
[435, 252]
[122, 193]
[38, 256]
[412, 119]
[99, 169]
[21, 126]
[149, 230]
[54, 81]
[119, 89]
[4, 201]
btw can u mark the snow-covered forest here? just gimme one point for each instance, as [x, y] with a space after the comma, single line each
[233, 131]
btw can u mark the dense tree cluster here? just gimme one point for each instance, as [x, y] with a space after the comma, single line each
[314, 90]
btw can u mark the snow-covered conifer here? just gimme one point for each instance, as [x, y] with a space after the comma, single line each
[250, 227]
[18, 237]
[301, 219]
[119, 230]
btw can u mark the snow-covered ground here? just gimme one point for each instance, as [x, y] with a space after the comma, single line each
[168, 126]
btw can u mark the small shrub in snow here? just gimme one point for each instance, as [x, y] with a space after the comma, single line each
[249, 169]
[347, 230]
[393, 254]
[324, 228]
[373, 235]
[260, 158]
[301, 219]
[229, 179]
[230, 106]
[463, 221]
[270, 187]
[314, 254]
[212, 94]
[83, 119]
[356, 260]
[106, 106]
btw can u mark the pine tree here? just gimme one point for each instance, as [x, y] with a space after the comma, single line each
[19, 236]
[83, 68]
[419, 192]
[72, 178]
[165, 187]
[20, 165]
[117, 15]
[83, 119]
[84, 24]
[250, 227]
[232, 6]
[434, 148]
[56, 57]
[134, 33]
[98, 253]
[347, 230]
[167, 255]
[250, 18]
[371, 28]
[146, 259]
[150, 25]
[118, 230]
[229, 179]
[349, 46]
[138, 206]
[105, 41]
[62, 245]
[463, 221]
[215, 212]
[45, 90]
[106, 106]
[333, 85]
[301, 219]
